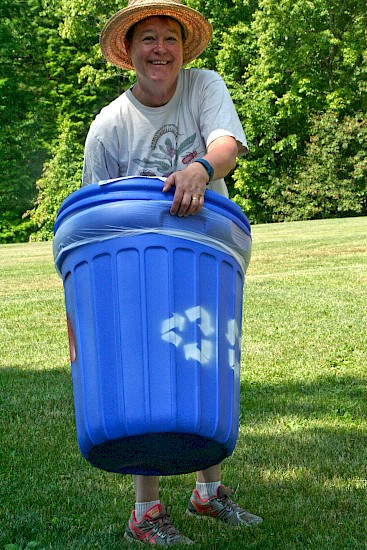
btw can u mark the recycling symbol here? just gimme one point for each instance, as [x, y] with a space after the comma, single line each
[232, 336]
[173, 332]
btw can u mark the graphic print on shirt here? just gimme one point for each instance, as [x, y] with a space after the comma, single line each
[167, 152]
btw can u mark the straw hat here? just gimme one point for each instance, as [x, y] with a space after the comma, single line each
[198, 30]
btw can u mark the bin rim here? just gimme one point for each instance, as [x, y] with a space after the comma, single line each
[142, 188]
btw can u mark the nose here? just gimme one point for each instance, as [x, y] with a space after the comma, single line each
[160, 46]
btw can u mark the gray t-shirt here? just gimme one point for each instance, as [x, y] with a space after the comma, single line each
[130, 139]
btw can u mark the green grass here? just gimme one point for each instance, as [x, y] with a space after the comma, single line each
[301, 457]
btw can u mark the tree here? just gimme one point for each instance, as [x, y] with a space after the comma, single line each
[296, 70]
[83, 83]
[308, 60]
[332, 177]
[25, 109]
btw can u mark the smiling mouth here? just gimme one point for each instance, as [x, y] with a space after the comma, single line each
[159, 62]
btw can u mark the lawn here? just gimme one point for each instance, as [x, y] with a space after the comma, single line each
[300, 461]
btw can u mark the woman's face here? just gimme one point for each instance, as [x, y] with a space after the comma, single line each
[156, 51]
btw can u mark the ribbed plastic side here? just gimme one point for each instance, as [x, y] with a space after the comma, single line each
[156, 322]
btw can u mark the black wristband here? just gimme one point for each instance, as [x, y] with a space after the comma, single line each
[208, 167]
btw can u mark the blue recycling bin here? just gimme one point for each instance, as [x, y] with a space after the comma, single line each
[154, 313]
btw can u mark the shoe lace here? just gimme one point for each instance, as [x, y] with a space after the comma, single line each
[227, 502]
[163, 524]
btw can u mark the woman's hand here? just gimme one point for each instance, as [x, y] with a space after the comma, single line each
[190, 186]
[191, 182]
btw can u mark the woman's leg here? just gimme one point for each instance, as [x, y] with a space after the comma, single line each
[210, 475]
[146, 488]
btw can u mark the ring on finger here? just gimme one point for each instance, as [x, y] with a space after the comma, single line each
[195, 198]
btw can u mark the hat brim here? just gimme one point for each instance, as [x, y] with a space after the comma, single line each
[198, 30]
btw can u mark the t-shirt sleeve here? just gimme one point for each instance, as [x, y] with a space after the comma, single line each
[218, 116]
[98, 162]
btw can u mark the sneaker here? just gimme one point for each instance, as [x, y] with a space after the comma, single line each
[221, 507]
[154, 528]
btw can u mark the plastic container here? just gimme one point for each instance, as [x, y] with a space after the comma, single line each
[154, 310]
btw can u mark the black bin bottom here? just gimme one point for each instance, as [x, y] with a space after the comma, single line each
[158, 454]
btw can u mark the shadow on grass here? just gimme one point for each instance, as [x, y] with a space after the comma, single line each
[302, 452]
[328, 394]
[319, 425]
[300, 462]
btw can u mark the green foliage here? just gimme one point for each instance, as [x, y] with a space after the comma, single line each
[13, 229]
[332, 174]
[61, 176]
[82, 85]
[310, 58]
[26, 108]
[292, 67]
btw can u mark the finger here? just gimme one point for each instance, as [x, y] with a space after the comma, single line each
[176, 203]
[196, 206]
[168, 182]
[185, 205]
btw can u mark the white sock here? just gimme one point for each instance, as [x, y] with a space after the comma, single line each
[142, 507]
[207, 490]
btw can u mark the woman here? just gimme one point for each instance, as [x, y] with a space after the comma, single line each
[179, 124]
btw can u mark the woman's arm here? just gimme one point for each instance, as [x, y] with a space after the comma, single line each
[191, 182]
